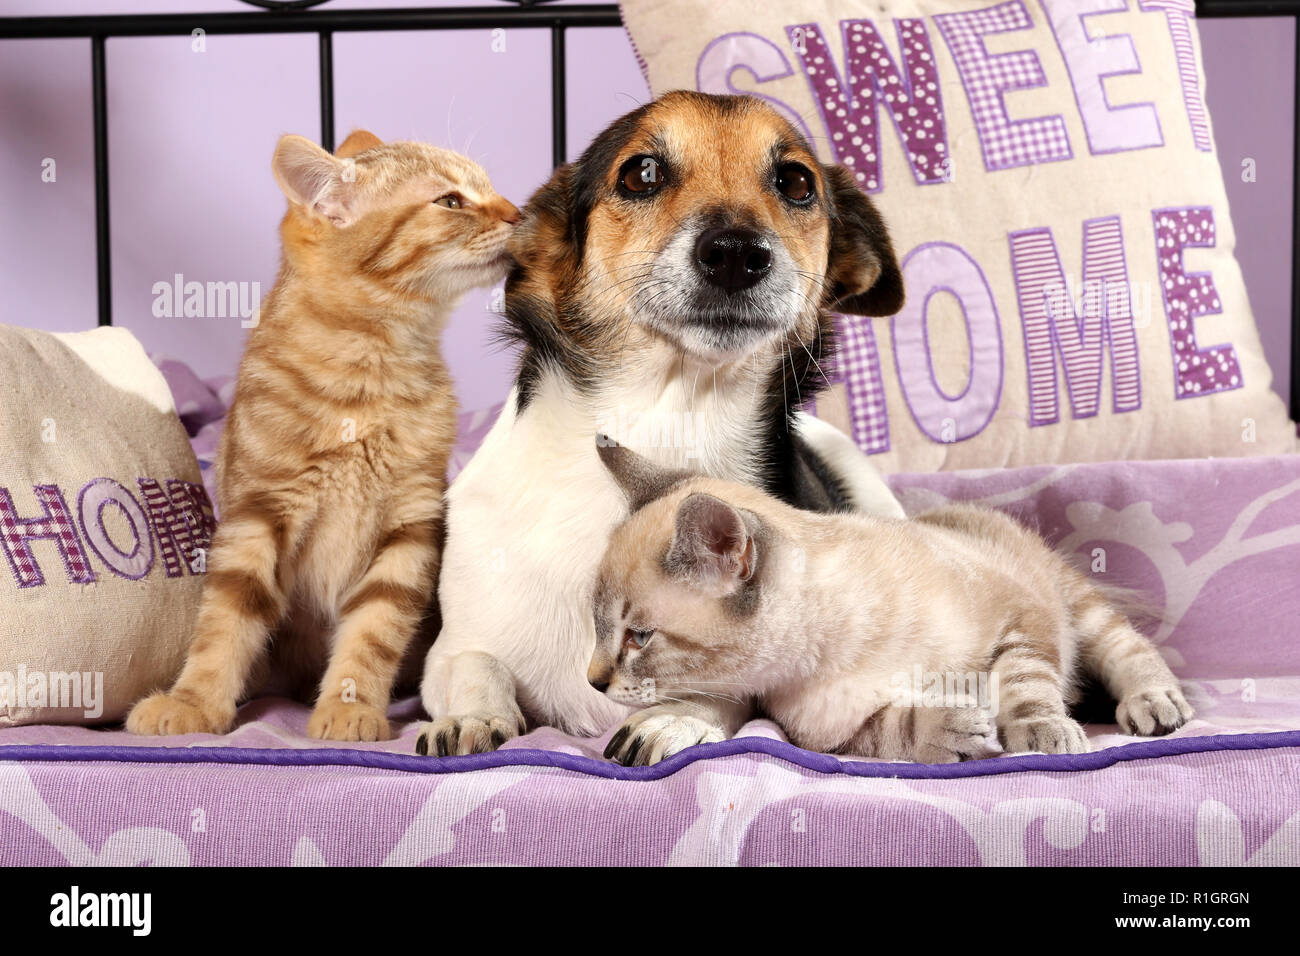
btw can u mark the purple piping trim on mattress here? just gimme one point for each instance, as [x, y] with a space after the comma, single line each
[821, 763]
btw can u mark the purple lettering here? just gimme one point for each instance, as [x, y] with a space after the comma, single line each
[1178, 15]
[182, 520]
[928, 270]
[56, 524]
[858, 362]
[1090, 59]
[987, 78]
[99, 495]
[850, 108]
[1053, 326]
[1187, 295]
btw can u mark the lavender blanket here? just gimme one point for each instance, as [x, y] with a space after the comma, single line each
[1217, 541]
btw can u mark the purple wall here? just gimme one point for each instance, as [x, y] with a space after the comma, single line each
[191, 136]
[1251, 99]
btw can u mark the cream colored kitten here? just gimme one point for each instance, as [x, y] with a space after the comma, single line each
[901, 639]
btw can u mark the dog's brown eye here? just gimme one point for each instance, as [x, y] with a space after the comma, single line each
[641, 175]
[794, 182]
[451, 201]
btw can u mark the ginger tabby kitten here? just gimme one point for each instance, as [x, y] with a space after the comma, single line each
[333, 464]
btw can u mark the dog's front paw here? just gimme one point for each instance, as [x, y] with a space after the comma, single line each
[1153, 713]
[648, 737]
[1049, 735]
[468, 734]
[347, 720]
[162, 715]
[953, 734]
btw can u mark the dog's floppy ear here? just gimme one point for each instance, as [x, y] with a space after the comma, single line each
[641, 479]
[544, 241]
[863, 274]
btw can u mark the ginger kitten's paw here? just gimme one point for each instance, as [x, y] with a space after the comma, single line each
[1049, 735]
[649, 736]
[470, 734]
[1153, 713]
[347, 720]
[953, 734]
[163, 715]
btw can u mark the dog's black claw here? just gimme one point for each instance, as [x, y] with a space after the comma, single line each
[615, 743]
[422, 745]
[498, 738]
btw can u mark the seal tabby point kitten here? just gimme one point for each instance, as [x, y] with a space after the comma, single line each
[716, 587]
[332, 466]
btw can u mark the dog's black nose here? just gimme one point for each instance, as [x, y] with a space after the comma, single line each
[733, 259]
[600, 685]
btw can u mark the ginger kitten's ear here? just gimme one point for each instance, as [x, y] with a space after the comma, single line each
[358, 141]
[711, 546]
[641, 479]
[316, 180]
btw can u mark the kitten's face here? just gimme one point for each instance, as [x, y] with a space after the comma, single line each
[414, 218]
[676, 600]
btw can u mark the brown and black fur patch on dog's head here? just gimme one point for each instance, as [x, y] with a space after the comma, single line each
[703, 221]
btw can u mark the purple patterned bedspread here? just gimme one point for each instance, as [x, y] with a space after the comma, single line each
[1217, 540]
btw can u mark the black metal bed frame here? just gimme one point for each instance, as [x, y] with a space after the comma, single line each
[297, 16]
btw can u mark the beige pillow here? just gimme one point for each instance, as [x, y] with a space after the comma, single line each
[1048, 173]
[104, 526]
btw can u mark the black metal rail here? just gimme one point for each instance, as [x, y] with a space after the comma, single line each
[304, 16]
[297, 18]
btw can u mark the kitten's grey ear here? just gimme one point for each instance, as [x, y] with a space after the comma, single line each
[316, 180]
[641, 479]
[711, 544]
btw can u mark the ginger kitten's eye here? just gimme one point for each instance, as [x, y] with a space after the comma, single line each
[641, 176]
[452, 201]
[794, 182]
[634, 639]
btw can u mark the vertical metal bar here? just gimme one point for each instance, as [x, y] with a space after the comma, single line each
[103, 261]
[1295, 234]
[559, 113]
[327, 90]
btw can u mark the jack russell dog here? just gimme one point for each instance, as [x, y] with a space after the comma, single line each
[673, 291]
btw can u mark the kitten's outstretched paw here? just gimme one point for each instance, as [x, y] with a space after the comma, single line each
[648, 737]
[1049, 735]
[468, 734]
[953, 734]
[348, 720]
[165, 714]
[1153, 713]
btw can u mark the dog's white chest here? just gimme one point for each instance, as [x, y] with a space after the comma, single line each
[528, 522]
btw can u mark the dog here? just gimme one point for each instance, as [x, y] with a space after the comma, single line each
[672, 290]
